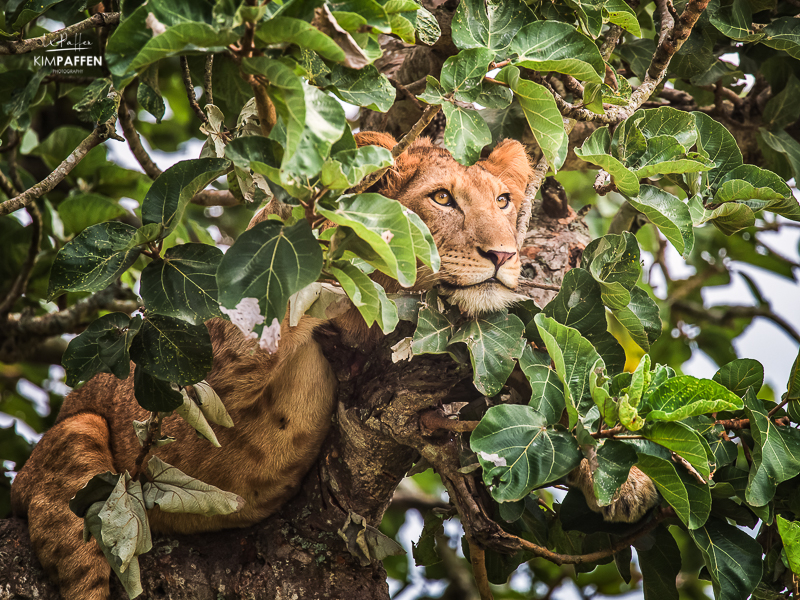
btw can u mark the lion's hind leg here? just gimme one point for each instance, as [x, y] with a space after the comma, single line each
[65, 459]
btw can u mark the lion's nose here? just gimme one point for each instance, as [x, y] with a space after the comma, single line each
[497, 257]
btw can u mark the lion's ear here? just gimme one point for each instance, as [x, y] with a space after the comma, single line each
[510, 162]
[375, 138]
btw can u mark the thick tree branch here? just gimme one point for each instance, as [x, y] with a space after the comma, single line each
[23, 46]
[100, 134]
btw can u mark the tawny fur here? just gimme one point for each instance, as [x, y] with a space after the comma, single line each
[281, 404]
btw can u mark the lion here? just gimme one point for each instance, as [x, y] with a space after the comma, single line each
[281, 403]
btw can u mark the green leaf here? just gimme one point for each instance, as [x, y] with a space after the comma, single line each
[183, 285]
[148, 94]
[790, 534]
[173, 350]
[132, 46]
[424, 245]
[173, 491]
[365, 296]
[465, 134]
[793, 390]
[286, 30]
[424, 551]
[494, 341]
[434, 92]
[596, 150]
[370, 10]
[733, 18]
[681, 440]
[19, 14]
[171, 192]
[663, 157]
[783, 109]
[434, 329]
[784, 144]
[728, 218]
[665, 478]
[641, 318]
[776, 453]
[463, 73]
[660, 565]
[518, 452]
[783, 34]
[687, 396]
[383, 228]
[619, 13]
[428, 30]
[94, 258]
[669, 214]
[547, 391]
[84, 210]
[475, 25]
[613, 261]
[345, 169]
[614, 462]
[155, 395]
[716, 143]
[559, 47]
[748, 183]
[540, 110]
[269, 262]
[287, 92]
[732, 557]
[365, 87]
[102, 348]
[575, 359]
[740, 375]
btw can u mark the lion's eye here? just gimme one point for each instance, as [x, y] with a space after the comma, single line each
[503, 200]
[442, 198]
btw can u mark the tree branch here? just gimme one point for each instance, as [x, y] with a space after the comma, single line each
[23, 46]
[101, 133]
[135, 142]
[187, 83]
[722, 316]
[21, 282]
[433, 420]
[207, 78]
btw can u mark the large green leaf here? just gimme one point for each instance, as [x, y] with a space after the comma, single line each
[681, 440]
[183, 284]
[619, 13]
[173, 350]
[783, 144]
[660, 565]
[171, 192]
[783, 109]
[462, 74]
[286, 30]
[547, 391]
[716, 143]
[790, 534]
[475, 25]
[575, 359]
[540, 110]
[665, 477]
[287, 92]
[365, 87]
[269, 262]
[434, 329]
[614, 462]
[728, 218]
[776, 453]
[84, 210]
[518, 452]
[155, 395]
[687, 396]
[102, 348]
[669, 214]
[613, 261]
[732, 557]
[740, 375]
[384, 230]
[559, 47]
[748, 183]
[733, 18]
[366, 297]
[596, 150]
[641, 318]
[465, 134]
[783, 34]
[793, 390]
[494, 341]
[94, 258]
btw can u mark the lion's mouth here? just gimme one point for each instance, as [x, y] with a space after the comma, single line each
[490, 281]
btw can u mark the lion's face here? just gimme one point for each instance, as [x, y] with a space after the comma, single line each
[472, 214]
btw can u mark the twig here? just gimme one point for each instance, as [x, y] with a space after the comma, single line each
[153, 433]
[600, 185]
[135, 143]
[23, 46]
[407, 93]
[101, 133]
[688, 466]
[783, 403]
[400, 147]
[477, 557]
[6, 185]
[21, 282]
[608, 433]
[524, 281]
[207, 77]
[187, 83]
[215, 198]
[734, 423]
[434, 420]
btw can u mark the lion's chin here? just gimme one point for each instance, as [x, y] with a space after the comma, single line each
[482, 298]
